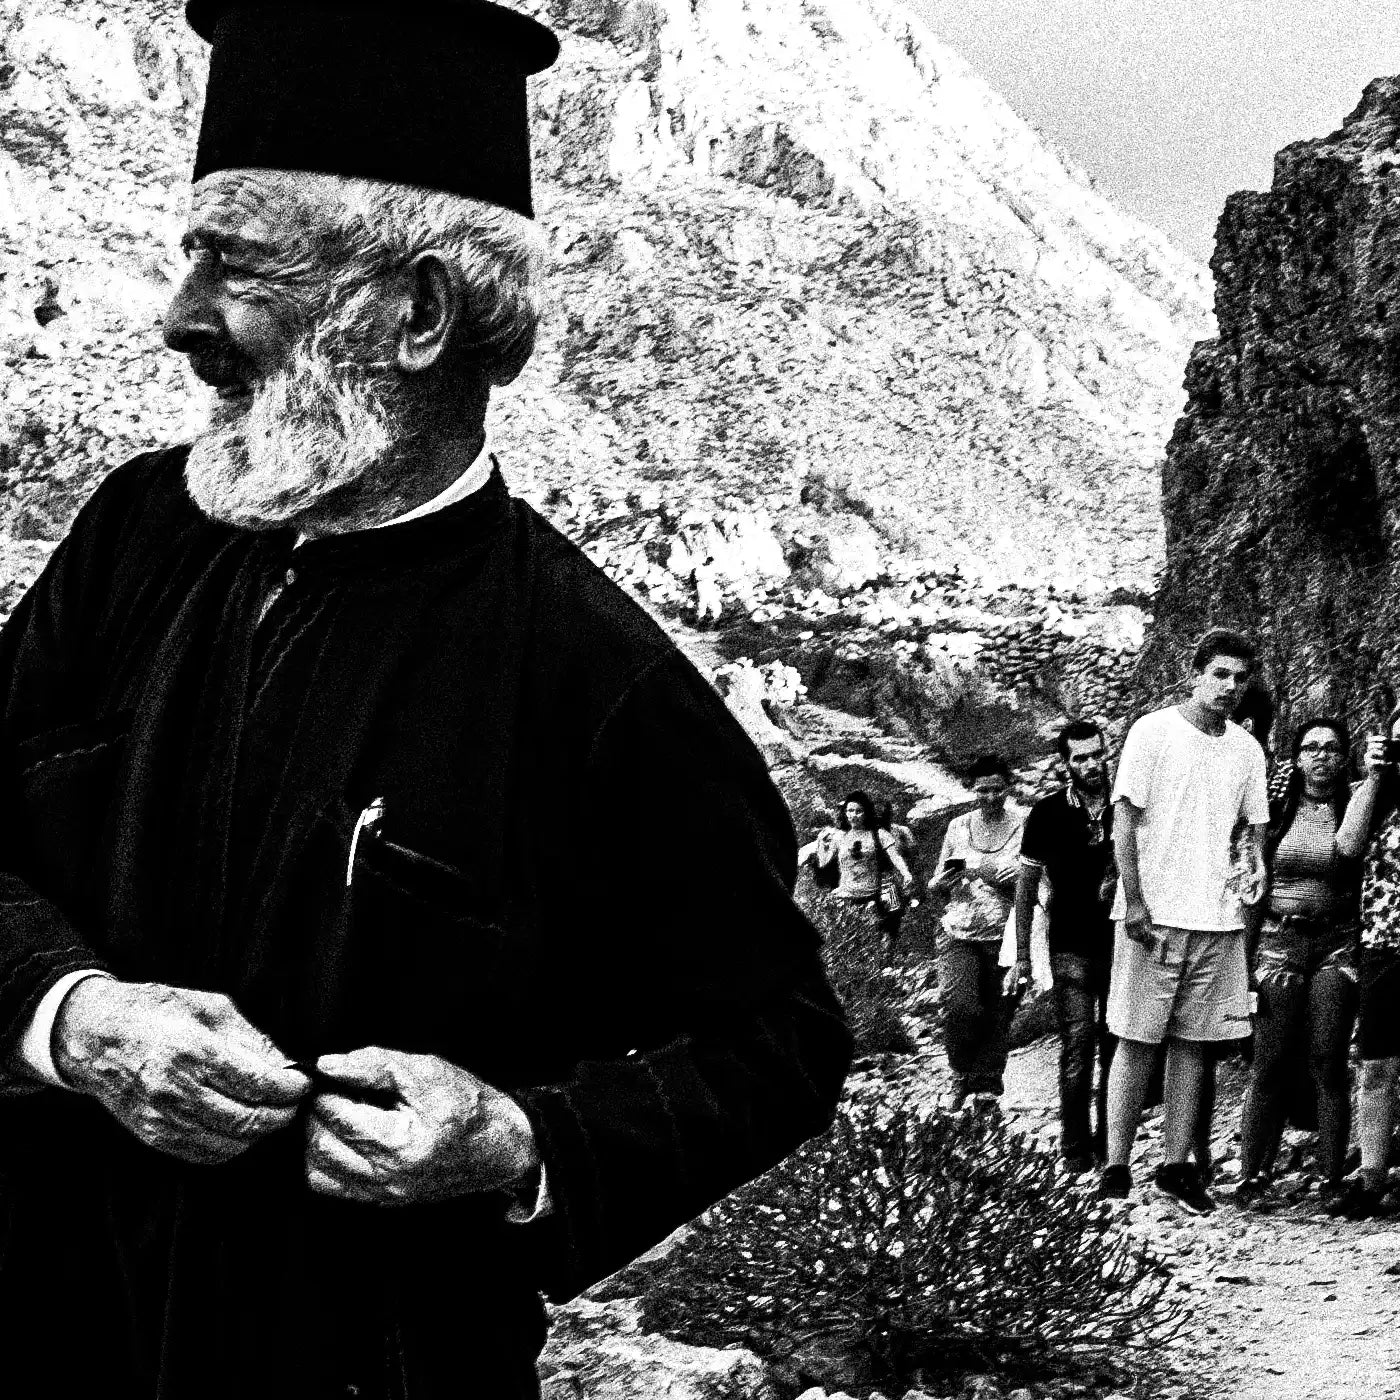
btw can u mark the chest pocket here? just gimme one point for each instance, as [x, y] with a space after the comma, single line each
[415, 962]
[67, 779]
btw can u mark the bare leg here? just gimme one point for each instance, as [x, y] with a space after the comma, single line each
[1186, 1061]
[1375, 1114]
[1127, 1091]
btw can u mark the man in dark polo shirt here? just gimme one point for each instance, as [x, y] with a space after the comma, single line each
[1068, 841]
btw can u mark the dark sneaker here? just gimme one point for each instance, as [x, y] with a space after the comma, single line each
[1330, 1192]
[1115, 1183]
[1077, 1163]
[1253, 1193]
[1357, 1201]
[1182, 1182]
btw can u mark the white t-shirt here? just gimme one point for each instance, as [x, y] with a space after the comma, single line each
[1192, 789]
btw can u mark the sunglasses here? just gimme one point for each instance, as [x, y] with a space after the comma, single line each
[1334, 750]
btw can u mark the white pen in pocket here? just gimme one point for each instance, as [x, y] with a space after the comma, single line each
[366, 821]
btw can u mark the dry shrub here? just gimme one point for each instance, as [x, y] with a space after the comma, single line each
[921, 1243]
[853, 949]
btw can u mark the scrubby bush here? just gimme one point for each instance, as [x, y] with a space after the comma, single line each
[853, 949]
[919, 1242]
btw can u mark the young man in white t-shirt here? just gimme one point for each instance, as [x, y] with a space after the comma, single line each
[1188, 779]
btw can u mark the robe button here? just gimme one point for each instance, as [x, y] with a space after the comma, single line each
[290, 577]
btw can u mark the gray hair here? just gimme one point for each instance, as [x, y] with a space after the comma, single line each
[376, 227]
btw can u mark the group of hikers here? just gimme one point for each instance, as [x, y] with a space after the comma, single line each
[1205, 899]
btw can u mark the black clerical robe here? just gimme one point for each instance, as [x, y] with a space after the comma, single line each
[579, 888]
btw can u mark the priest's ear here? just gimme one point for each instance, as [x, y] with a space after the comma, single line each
[428, 299]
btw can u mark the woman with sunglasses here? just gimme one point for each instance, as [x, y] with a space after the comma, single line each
[1305, 964]
[860, 863]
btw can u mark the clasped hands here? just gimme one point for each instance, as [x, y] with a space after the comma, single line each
[187, 1074]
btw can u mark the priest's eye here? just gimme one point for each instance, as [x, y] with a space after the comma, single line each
[216, 262]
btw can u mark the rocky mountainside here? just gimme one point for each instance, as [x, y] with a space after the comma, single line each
[845, 363]
[809, 269]
[1282, 480]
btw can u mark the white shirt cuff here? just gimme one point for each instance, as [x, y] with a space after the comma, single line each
[518, 1213]
[36, 1044]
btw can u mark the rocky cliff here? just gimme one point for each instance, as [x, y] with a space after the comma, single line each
[1282, 479]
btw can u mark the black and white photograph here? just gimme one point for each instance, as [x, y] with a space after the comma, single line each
[699, 700]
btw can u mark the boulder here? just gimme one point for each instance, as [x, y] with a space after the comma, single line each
[598, 1351]
[831, 1364]
[848, 556]
[744, 687]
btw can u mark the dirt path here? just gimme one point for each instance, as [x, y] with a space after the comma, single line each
[1288, 1306]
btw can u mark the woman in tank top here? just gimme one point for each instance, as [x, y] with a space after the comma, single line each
[1372, 831]
[1305, 965]
[977, 871]
[851, 844]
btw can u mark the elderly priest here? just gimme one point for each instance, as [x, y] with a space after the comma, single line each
[347, 997]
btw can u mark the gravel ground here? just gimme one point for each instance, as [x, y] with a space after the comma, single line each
[1287, 1306]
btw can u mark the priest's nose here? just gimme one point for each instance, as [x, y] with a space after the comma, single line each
[191, 319]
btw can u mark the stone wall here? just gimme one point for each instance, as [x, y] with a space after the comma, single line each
[1090, 676]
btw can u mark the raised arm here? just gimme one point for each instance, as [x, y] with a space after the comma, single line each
[1355, 829]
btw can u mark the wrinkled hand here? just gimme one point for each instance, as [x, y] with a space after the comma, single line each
[181, 1070]
[450, 1134]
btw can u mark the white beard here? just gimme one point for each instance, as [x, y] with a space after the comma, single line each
[321, 424]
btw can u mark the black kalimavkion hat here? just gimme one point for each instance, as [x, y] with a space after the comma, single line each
[418, 92]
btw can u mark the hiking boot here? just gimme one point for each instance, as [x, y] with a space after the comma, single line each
[1115, 1183]
[1182, 1182]
[1357, 1201]
[1077, 1163]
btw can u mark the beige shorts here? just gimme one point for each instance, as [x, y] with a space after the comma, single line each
[1193, 985]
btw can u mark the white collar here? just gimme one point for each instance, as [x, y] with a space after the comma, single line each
[477, 474]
